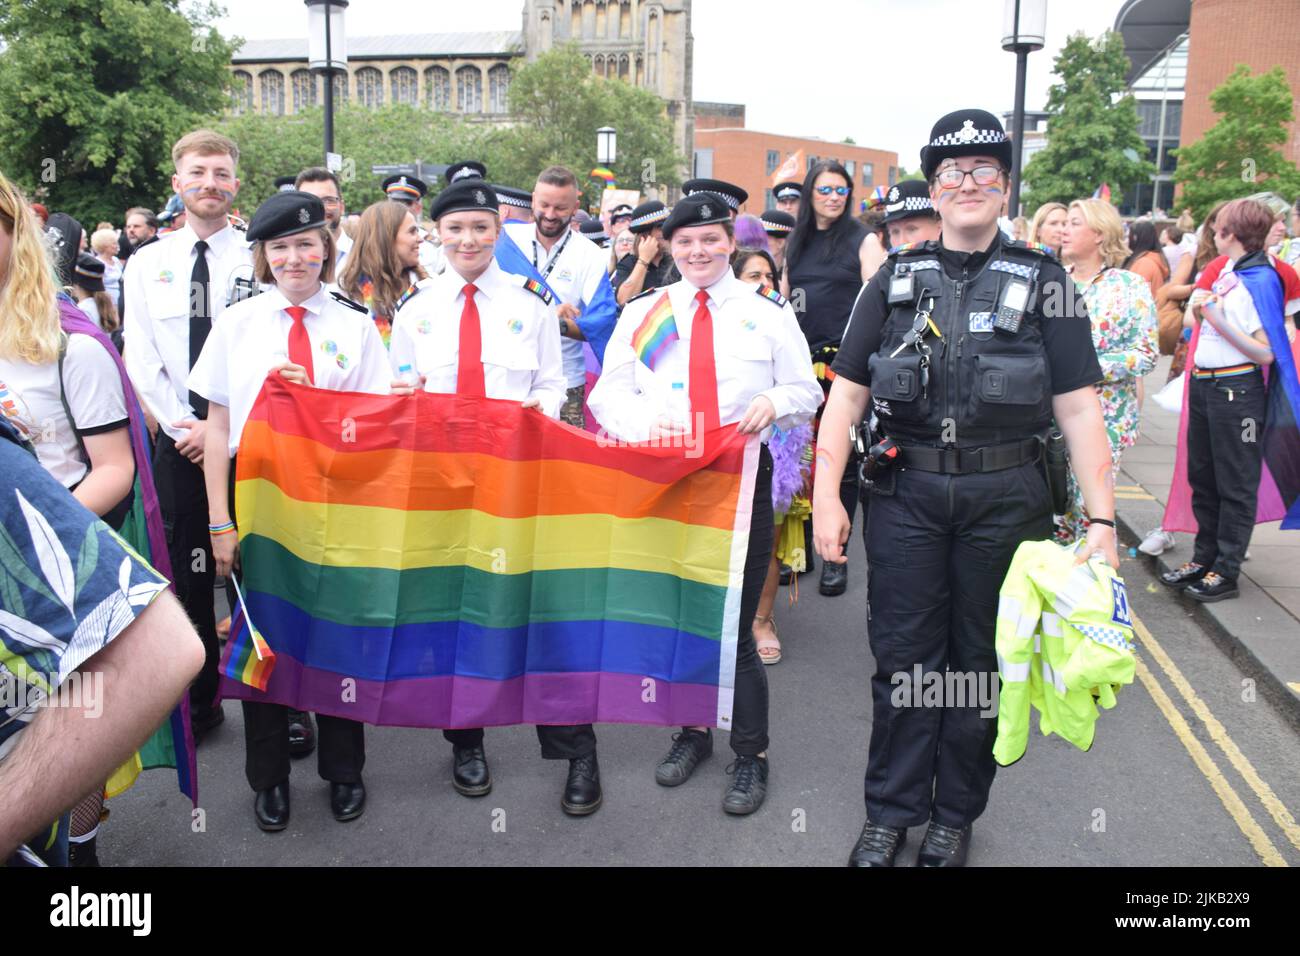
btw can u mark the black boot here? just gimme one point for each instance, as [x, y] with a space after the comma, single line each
[347, 800]
[835, 578]
[689, 748]
[877, 845]
[271, 807]
[582, 794]
[469, 772]
[944, 846]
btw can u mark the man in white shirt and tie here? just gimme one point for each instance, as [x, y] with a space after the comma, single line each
[175, 288]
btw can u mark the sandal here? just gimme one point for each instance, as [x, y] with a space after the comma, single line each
[772, 645]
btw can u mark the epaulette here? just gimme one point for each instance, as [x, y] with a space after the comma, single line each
[1036, 247]
[908, 247]
[639, 295]
[537, 289]
[767, 292]
[341, 299]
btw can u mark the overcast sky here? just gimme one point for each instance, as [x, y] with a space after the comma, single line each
[881, 71]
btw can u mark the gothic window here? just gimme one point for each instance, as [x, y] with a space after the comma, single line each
[272, 83]
[241, 91]
[403, 82]
[469, 89]
[370, 87]
[340, 85]
[499, 89]
[304, 89]
[437, 88]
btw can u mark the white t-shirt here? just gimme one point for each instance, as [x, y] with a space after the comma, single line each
[29, 397]
[1213, 350]
[88, 306]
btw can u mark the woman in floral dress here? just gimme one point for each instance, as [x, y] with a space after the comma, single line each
[1123, 315]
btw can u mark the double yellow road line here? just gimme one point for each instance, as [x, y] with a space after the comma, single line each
[1232, 802]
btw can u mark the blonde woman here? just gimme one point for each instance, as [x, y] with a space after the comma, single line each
[65, 390]
[383, 268]
[1123, 315]
[1047, 225]
[103, 245]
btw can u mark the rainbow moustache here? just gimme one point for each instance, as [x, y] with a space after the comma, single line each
[464, 562]
[657, 331]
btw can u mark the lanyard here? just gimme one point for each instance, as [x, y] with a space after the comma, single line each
[546, 273]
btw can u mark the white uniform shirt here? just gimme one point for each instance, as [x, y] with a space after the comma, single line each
[252, 337]
[758, 349]
[156, 327]
[432, 259]
[88, 306]
[521, 351]
[343, 245]
[29, 397]
[1212, 349]
[576, 268]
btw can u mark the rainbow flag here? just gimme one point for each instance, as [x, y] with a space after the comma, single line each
[605, 175]
[446, 561]
[247, 658]
[656, 332]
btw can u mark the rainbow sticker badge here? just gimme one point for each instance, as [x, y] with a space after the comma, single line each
[515, 326]
[329, 347]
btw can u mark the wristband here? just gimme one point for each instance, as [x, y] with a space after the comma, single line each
[216, 529]
[1106, 521]
[640, 263]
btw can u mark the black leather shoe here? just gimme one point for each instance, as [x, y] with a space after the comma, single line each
[1180, 577]
[203, 722]
[944, 846]
[783, 574]
[1213, 587]
[469, 772]
[748, 787]
[347, 800]
[689, 748]
[582, 788]
[877, 845]
[271, 807]
[302, 735]
[835, 578]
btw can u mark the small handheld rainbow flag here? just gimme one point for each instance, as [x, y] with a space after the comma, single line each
[607, 175]
[248, 658]
[656, 332]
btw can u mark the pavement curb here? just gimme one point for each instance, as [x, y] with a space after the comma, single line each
[1254, 630]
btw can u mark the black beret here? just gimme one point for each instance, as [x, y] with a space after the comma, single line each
[788, 190]
[731, 194]
[405, 188]
[469, 169]
[965, 133]
[777, 223]
[284, 183]
[471, 195]
[88, 272]
[648, 215]
[909, 198]
[284, 214]
[510, 196]
[699, 209]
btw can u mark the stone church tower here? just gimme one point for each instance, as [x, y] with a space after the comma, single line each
[646, 42]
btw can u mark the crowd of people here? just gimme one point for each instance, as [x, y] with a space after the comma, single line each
[897, 356]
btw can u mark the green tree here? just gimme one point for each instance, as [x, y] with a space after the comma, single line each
[1239, 155]
[559, 104]
[94, 92]
[904, 175]
[1092, 127]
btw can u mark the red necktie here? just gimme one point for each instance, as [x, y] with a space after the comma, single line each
[299, 341]
[469, 366]
[703, 371]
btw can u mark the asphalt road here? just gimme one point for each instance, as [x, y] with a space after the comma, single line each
[1157, 788]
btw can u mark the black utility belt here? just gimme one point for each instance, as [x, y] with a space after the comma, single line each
[969, 461]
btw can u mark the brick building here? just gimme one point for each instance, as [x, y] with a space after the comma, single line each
[749, 157]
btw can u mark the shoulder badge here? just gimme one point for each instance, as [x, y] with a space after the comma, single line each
[767, 292]
[539, 290]
[909, 247]
[639, 295]
[1034, 247]
[344, 300]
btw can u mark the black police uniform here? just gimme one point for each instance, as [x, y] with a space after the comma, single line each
[968, 409]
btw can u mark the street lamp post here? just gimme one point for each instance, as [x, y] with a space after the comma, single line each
[606, 146]
[1024, 24]
[327, 53]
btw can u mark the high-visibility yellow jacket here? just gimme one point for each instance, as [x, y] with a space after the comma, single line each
[1064, 643]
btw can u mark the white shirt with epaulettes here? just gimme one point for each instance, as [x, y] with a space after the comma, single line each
[156, 326]
[520, 352]
[758, 349]
[252, 337]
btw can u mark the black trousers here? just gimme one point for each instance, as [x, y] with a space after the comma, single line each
[559, 742]
[939, 548]
[183, 499]
[1225, 426]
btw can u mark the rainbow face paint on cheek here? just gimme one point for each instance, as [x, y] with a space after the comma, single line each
[944, 196]
[277, 264]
